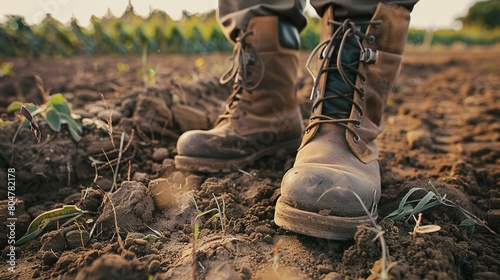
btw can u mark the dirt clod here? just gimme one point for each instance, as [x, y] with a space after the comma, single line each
[132, 208]
[223, 271]
[419, 138]
[152, 115]
[77, 238]
[114, 267]
[160, 154]
[53, 241]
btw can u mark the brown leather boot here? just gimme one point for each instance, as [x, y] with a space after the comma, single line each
[359, 62]
[261, 115]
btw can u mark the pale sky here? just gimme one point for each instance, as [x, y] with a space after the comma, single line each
[433, 14]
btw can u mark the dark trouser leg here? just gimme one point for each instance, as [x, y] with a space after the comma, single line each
[357, 8]
[234, 15]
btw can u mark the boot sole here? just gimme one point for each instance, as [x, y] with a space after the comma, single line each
[316, 225]
[213, 165]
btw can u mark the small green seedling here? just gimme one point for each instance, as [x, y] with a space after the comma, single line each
[43, 220]
[56, 112]
[430, 199]
[220, 212]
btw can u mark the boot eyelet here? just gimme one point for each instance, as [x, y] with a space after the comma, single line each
[308, 130]
[322, 53]
[358, 124]
[360, 114]
[362, 96]
[356, 138]
[370, 39]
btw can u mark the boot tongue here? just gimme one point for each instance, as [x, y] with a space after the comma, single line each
[340, 107]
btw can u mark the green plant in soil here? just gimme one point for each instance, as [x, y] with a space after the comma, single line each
[43, 220]
[220, 213]
[56, 111]
[408, 208]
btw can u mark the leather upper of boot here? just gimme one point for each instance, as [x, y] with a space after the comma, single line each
[382, 46]
[262, 109]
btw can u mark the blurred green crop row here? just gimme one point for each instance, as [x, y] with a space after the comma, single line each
[132, 34]
[470, 35]
[127, 34]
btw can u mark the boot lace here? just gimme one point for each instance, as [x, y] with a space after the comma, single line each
[244, 55]
[344, 32]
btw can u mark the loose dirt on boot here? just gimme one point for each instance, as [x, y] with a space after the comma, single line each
[143, 219]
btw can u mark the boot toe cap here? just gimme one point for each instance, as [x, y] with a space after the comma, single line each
[326, 190]
[207, 144]
[193, 143]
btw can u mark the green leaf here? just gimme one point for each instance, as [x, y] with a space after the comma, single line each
[467, 223]
[35, 110]
[420, 205]
[72, 123]
[470, 224]
[205, 213]
[53, 120]
[428, 206]
[74, 134]
[40, 223]
[62, 108]
[60, 104]
[196, 231]
[25, 123]
[395, 215]
[405, 198]
[58, 98]
[14, 106]
[438, 195]
[470, 230]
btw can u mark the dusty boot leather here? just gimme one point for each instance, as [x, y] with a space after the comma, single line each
[261, 116]
[336, 168]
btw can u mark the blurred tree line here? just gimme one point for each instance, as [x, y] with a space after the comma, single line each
[133, 34]
[480, 26]
[484, 14]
